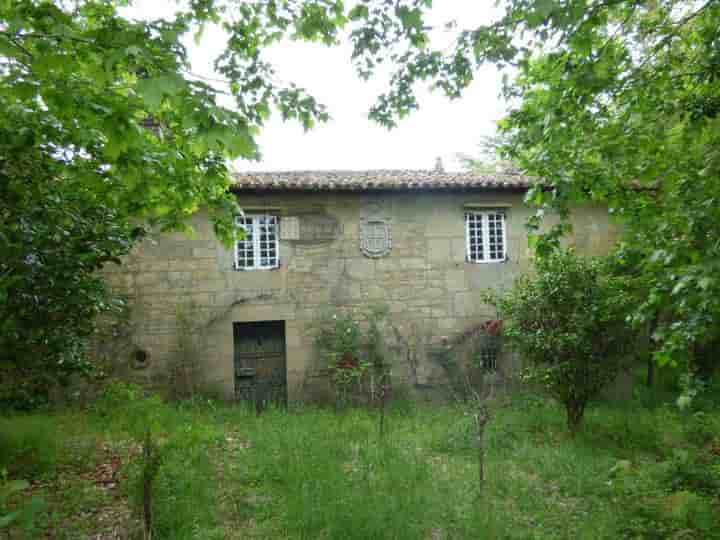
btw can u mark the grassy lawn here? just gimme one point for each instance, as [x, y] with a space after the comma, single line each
[636, 471]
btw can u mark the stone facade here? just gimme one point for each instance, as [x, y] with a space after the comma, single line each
[185, 293]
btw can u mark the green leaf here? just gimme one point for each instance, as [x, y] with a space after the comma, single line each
[154, 89]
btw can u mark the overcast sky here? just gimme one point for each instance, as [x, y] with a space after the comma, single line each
[441, 128]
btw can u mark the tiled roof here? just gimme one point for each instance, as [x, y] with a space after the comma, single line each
[376, 179]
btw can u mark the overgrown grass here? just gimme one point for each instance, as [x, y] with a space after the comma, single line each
[635, 471]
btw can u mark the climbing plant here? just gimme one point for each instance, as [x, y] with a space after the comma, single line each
[351, 348]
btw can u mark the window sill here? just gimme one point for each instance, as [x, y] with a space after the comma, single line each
[503, 261]
[264, 269]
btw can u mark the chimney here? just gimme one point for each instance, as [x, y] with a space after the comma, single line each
[439, 165]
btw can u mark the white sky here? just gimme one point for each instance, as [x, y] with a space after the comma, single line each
[441, 128]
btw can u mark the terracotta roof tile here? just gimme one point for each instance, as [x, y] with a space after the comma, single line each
[376, 179]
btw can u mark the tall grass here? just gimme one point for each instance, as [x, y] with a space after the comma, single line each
[633, 472]
[35, 446]
[331, 476]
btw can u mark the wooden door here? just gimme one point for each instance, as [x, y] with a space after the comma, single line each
[260, 367]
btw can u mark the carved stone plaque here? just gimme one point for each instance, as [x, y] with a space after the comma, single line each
[375, 237]
[289, 228]
[318, 228]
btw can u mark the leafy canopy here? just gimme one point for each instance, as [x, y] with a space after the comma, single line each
[616, 102]
[104, 130]
[568, 320]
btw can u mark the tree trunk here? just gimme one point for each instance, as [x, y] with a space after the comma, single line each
[481, 461]
[382, 417]
[704, 359]
[575, 412]
[147, 486]
[482, 417]
[151, 463]
[650, 380]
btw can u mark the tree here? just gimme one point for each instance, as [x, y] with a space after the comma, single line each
[104, 132]
[568, 320]
[625, 113]
[616, 102]
[488, 160]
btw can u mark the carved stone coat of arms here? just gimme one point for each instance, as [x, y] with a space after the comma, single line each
[375, 237]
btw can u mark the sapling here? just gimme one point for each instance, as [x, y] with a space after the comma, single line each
[481, 404]
[150, 467]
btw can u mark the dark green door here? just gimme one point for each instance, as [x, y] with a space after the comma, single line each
[260, 368]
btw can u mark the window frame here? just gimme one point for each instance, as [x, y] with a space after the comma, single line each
[483, 214]
[256, 241]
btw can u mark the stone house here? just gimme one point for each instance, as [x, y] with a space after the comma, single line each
[421, 244]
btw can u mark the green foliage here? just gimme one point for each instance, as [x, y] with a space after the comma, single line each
[341, 347]
[488, 159]
[55, 236]
[622, 110]
[352, 349]
[130, 409]
[104, 124]
[22, 514]
[30, 446]
[105, 133]
[36, 446]
[692, 471]
[568, 320]
[639, 134]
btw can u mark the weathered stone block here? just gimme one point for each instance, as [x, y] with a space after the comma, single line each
[455, 280]
[360, 268]
[438, 251]
[204, 253]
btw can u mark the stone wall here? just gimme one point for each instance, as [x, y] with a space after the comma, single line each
[185, 294]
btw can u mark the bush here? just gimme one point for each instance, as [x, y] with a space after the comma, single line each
[568, 319]
[701, 428]
[694, 472]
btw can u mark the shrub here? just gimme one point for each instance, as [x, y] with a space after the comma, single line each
[568, 319]
[693, 471]
[701, 427]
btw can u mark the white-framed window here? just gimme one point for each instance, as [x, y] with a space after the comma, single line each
[485, 236]
[259, 250]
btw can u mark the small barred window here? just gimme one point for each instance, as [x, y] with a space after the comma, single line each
[259, 248]
[489, 358]
[485, 236]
